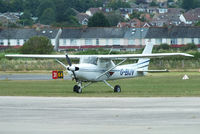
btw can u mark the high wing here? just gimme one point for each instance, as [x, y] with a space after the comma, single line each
[111, 57]
[42, 56]
[137, 56]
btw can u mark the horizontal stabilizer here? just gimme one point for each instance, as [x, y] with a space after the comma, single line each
[153, 71]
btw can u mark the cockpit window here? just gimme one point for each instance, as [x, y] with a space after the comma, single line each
[89, 60]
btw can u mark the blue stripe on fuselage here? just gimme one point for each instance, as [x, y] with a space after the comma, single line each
[143, 62]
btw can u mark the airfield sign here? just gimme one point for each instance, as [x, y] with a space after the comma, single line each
[57, 75]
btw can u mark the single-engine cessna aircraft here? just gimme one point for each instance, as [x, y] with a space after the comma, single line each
[95, 68]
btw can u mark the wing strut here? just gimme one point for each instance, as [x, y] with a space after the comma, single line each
[111, 68]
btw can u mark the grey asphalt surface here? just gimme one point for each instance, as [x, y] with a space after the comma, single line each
[53, 115]
[28, 77]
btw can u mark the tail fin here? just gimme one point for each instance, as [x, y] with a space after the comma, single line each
[143, 63]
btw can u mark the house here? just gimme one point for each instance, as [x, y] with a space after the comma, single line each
[117, 38]
[133, 23]
[125, 12]
[190, 17]
[169, 18]
[162, 10]
[107, 10]
[83, 18]
[175, 36]
[146, 16]
[161, 1]
[123, 24]
[125, 38]
[14, 37]
[9, 17]
[91, 11]
[151, 10]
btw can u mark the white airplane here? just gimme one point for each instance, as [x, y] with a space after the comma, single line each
[100, 68]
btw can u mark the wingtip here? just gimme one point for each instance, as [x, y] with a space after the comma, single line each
[189, 55]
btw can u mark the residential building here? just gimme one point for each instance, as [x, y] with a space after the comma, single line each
[190, 17]
[91, 11]
[172, 17]
[126, 38]
[175, 36]
[9, 17]
[17, 37]
[120, 38]
[83, 18]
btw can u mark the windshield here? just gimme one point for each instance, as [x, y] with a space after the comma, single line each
[89, 60]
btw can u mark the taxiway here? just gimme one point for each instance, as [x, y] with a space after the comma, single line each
[53, 115]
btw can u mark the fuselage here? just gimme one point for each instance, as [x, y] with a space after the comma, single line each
[91, 72]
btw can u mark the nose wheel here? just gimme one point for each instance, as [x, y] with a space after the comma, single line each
[77, 89]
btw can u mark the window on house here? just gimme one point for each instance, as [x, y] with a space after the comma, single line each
[88, 42]
[8, 42]
[116, 41]
[1, 42]
[131, 41]
[18, 42]
[174, 41]
[64, 42]
[158, 41]
[107, 42]
[97, 41]
[73, 42]
[199, 41]
[182, 41]
[192, 40]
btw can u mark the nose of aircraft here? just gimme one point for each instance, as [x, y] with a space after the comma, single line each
[72, 68]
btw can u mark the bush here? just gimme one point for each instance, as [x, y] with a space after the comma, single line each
[163, 47]
[190, 46]
[37, 45]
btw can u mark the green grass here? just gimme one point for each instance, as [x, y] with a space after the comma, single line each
[153, 85]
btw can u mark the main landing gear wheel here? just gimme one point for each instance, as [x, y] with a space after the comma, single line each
[117, 89]
[77, 89]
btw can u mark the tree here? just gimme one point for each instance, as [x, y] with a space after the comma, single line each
[2, 5]
[115, 4]
[37, 45]
[135, 14]
[163, 47]
[25, 19]
[190, 4]
[98, 20]
[43, 6]
[153, 4]
[48, 16]
[198, 23]
[114, 18]
[31, 6]
[17, 5]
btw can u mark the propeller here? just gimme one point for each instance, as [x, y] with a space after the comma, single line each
[71, 67]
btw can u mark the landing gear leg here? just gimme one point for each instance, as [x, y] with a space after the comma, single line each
[117, 88]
